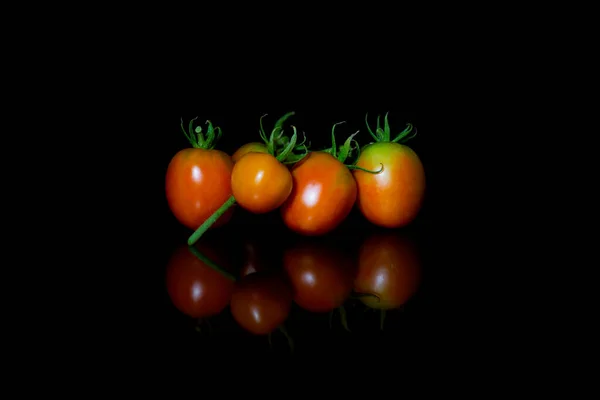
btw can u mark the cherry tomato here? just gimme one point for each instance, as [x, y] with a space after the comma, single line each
[195, 288]
[198, 182]
[321, 276]
[393, 197]
[261, 302]
[255, 147]
[260, 183]
[323, 194]
[388, 267]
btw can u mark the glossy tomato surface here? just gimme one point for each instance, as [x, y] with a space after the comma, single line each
[255, 147]
[388, 267]
[261, 302]
[393, 197]
[197, 183]
[321, 276]
[324, 192]
[260, 183]
[195, 288]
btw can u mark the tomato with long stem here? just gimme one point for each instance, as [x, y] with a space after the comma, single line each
[260, 182]
[198, 179]
[197, 282]
[393, 197]
[324, 190]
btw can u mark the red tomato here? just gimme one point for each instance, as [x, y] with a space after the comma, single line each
[321, 276]
[195, 288]
[261, 302]
[198, 182]
[323, 194]
[260, 183]
[388, 267]
[255, 147]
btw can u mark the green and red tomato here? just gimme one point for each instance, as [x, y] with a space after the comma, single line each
[393, 197]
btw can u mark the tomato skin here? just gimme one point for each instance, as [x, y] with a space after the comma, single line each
[389, 267]
[261, 302]
[197, 183]
[324, 192]
[321, 276]
[196, 289]
[393, 197]
[255, 147]
[260, 183]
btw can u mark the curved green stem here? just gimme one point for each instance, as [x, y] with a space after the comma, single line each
[364, 169]
[211, 263]
[210, 220]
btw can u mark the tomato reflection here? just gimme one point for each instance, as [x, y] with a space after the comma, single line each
[195, 288]
[261, 302]
[388, 267]
[321, 275]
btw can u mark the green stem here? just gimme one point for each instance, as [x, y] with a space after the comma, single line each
[210, 220]
[211, 263]
[364, 169]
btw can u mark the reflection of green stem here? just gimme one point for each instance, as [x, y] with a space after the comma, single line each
[288, 337]
[344, 318]
[210, 220]
[211, 263]
[381, 319]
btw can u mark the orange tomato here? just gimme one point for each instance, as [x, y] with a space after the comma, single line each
[260, 183]
[393, 197]
[255, 147]
[388, 267]
[323, 194]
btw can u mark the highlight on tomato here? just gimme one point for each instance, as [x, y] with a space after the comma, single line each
[389, 269]
[261, 182]
[324, 190]
[198, 179]
[197, 281]
[393, 197]
[261, 302]
[321, 275]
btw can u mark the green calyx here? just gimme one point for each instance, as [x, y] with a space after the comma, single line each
[287, 150]
[345, 150]
[198, 139]
[384, 135]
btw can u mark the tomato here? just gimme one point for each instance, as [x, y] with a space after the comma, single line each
[260, 183]
[321, 276]
[261, 302]
[197, 183]
[324, 192]
[195, 288]
[388, 267]
[393, 197]
[255, 147]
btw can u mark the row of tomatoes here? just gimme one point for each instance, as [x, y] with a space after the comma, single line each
[315, 191]
[317, 277]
